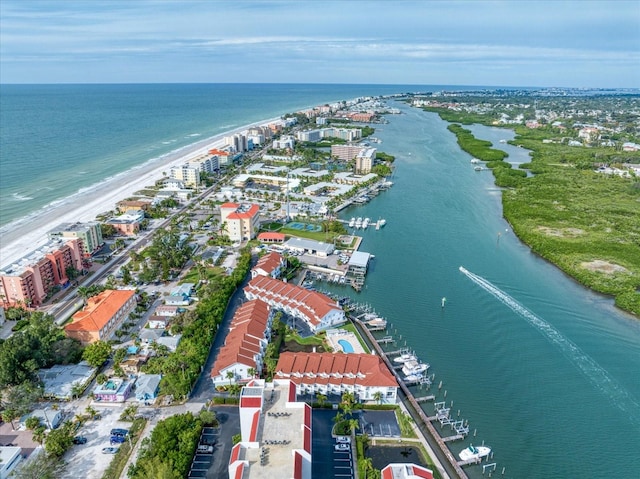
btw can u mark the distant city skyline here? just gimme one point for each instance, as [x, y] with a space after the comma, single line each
[493, 43]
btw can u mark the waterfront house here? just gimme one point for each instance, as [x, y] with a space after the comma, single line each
[317, 310]
[364, 375]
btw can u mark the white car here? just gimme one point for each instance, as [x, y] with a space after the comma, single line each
[342, 447]
[343, 440]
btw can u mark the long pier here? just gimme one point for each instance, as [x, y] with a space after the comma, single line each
[415, 405]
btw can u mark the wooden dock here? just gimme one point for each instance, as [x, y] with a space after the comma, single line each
[385, 340]
[415, 405]
[425, 398]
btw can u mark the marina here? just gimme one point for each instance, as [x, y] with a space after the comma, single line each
[403, 360]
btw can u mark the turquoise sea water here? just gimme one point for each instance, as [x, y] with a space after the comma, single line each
[547, 373]
[59, 139]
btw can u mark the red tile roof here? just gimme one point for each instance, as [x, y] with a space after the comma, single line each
[269, 262]
[99, 310]
[252, 211]
[268, 236]
[315, 306]
[357, 369]
[246, 330]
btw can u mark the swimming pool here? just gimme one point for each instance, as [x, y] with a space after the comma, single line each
[345, 345]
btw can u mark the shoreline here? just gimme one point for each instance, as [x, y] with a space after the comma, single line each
[24, 235]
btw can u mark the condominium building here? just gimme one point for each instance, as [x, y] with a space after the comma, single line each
[345, 152]
[89, 233]
[240, 221]
[317, 310]
[364, 375]
[128, 223]
[271, 264]
[29, 280]
[102, 316]
[241, 356]
[189, 174]
[364, 160]
[275, 431]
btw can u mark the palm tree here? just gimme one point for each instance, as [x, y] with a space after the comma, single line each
[377, 397]
[230, 375]
[251, 372]
[322, 399]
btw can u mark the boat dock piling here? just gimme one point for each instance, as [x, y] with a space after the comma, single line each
[385, 340]
[415, 405]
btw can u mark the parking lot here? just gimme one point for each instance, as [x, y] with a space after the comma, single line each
[328, 462]
[87, 460]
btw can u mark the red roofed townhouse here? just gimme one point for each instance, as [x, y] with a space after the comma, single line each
[245, 344]
[224, 157]
[406, 471]
[102, 316]
[272, 419]
[241, 222]
[271, 264]
[269, 237]
[317, 310]
[364, 375]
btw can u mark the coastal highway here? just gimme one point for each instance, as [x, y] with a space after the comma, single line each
[70, 302]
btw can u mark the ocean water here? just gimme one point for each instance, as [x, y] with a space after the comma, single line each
[546, 372]
[59, 139]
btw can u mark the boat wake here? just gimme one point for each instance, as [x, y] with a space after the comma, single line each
[592, 370]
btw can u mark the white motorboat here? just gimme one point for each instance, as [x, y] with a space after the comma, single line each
[352, 222]
[382, 222]
[414, 367]
[473, 452]
[413, 377]
[475, 161]
[478, 168]
[365, 223]
[358, 222]
[403, 358]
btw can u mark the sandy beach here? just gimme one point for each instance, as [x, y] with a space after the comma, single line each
[23, 236]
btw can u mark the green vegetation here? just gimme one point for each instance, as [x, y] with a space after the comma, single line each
[584, 222]
[406, 424]
[40, 466]
[95, 354]
[169, 451]
[40, 344]
[181, 368]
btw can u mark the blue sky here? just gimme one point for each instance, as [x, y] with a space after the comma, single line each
[581, 43]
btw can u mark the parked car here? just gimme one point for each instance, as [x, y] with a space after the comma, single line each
[79, 440]
[343, 440]
[118, 439]
[204, 449]
[119, 432]
[110, 450]
[342, 447]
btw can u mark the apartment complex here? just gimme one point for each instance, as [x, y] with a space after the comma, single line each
[102, 316]
[271, 264]
[275, 433]
[89, 233]
[129, 223]
[241, 221]
[245, 344]
[29, 280]
[317, 310]
[365, 160]
[364, 375]
[346, 152]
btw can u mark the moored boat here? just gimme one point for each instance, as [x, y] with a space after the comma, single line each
[358, 222]
[414, 367]
[473, 452]
[365, 223]
[403, 358]
[352, 222]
